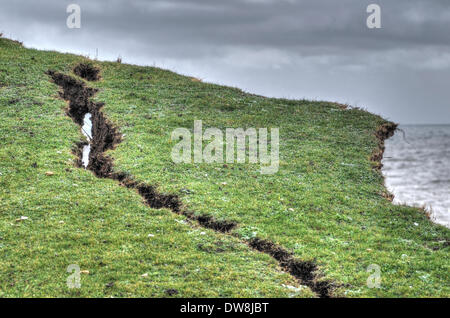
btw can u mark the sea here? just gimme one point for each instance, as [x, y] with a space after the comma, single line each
[416, 166]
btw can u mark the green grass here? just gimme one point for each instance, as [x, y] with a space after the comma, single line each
[324, 204]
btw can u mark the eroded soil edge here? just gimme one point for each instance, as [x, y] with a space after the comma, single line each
[105, 137]
[383, 132]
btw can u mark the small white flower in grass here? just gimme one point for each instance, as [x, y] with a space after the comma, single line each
[151, 235]
[416, 224]
[144, 275]
[202, 233]
[22, 218]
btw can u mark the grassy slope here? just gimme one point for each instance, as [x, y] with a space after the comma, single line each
[325, 203]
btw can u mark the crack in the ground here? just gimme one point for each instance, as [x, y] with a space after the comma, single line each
[306, 271]
[105, 137]
[87, 71]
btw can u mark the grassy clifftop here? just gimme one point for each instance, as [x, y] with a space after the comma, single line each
[326, 205]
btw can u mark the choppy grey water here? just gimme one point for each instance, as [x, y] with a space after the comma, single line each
[417, 169]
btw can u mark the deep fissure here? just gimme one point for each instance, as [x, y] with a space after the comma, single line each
[104, 136]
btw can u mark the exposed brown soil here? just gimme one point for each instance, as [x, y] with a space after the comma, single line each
[306, 271]
[87, 71]
[382, 133]
[105, 137]
[77, 150]
[210, 222]
[171, 292]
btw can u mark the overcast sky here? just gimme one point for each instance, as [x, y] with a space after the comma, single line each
[314, 49]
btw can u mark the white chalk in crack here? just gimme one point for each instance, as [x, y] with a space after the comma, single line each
[86, 129]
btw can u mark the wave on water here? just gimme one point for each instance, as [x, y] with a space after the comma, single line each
[416, 167]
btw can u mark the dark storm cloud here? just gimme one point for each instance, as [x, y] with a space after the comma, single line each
[316, 49]
[282, 23]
